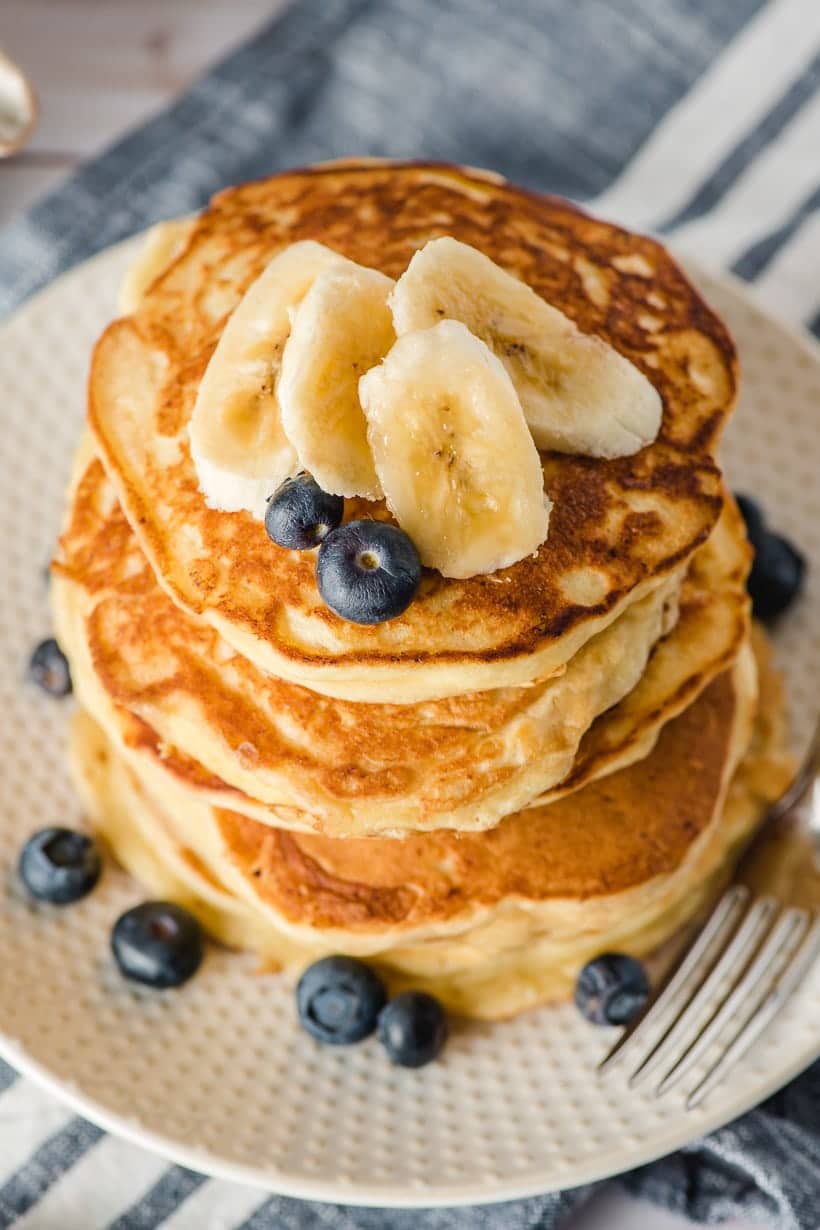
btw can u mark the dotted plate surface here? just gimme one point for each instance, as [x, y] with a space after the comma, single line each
[218, 1076]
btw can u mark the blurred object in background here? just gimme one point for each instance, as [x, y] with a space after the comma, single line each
[99, 69]
[18, 107]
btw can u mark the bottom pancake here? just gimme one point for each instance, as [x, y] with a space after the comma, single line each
[494, 922]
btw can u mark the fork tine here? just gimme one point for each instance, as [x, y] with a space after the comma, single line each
[791, 925]
[788, 982]
[742, 943]
[719, 922]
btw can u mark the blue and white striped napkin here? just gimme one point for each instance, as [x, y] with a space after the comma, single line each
[699, 120]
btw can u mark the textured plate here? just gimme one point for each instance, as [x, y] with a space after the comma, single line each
[218, 1076]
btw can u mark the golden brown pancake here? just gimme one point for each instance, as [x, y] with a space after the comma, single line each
[613, 835]
[492, 922]
[351, 769]
[618, 527]
[714, 614]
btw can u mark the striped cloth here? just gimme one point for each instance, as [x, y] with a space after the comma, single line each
[699, 120]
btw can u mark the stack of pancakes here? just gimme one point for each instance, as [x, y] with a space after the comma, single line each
[523, 770]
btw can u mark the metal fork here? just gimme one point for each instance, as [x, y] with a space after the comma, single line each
[734, 978]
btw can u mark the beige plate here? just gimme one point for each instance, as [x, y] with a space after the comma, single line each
[218, 1076]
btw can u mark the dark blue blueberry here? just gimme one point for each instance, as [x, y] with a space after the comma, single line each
[300, 514]
[368, 571]
[339, 1000]
[777, 576]
[59, 865]
[611, 989]
[413, 1029]
[754, 518]
[778, 569]
[48, 667]
[157, 943]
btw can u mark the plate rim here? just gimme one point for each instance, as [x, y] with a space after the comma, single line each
[418, 1195]
[454, 1195]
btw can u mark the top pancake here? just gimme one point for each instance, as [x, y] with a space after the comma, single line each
[618, 527]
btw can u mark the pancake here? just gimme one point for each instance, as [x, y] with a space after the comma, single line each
[492, 923]
[713, 623]
[351, 769]
[346, 768]
[163, 242]
[618, 529]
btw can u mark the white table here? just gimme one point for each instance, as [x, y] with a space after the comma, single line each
[98, 70]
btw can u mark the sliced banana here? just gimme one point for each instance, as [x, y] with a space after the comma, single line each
[342, 327]
[161, 245]
[238, 443]
[579, 394]
[453, 452]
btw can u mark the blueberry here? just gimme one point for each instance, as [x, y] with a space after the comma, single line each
[157, 943]
[368, 571]
[777, 576]
[339, 1000]
[413, 1029]
[59, 865]
[754, 518]
[48, 668]
[611, 989]
[778, 569]
[300, 514]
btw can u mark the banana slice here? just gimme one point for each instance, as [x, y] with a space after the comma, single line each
[162, 244]
[453, 452]
[342, 327]
[579, 395]
[238, 443]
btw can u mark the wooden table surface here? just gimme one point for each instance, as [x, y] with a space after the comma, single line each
[99, 67]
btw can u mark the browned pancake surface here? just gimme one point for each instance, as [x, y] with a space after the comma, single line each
[625, 520]
[352, 769]
[615, 834]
